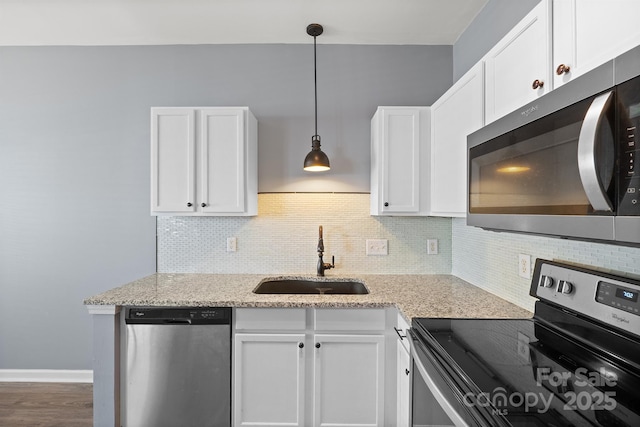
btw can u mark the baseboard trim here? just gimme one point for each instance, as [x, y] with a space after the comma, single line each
[46, 376]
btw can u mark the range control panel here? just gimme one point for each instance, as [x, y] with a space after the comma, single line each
[608, 298]
[622, 297]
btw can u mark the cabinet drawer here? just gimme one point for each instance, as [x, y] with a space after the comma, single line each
[274, 319]
[349, 319]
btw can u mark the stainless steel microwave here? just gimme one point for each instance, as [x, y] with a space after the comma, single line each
[564, 165]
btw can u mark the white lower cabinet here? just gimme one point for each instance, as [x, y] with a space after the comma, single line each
[403, 384]
[403, 374]
[307, 377]
[269, 379]
[348, 380]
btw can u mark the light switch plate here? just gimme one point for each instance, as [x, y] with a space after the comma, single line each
[232, 244]
[377, 247]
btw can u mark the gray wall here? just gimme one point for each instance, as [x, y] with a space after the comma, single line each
[492, 23]
[74, 158]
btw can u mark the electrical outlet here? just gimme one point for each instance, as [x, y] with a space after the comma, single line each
[232, 244]
[377, 247]
[524, 266]
[432, 246]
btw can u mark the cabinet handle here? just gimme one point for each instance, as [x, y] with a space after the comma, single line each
[189, 204]
[399, 334]
[537, 84]
[318, 345]
[203, 205]
[562, 69]
[301, 345]
[406, 371]
[386, 204]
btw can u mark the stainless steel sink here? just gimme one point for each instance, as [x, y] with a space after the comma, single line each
[311, 286]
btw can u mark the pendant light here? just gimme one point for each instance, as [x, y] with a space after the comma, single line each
[316, 160]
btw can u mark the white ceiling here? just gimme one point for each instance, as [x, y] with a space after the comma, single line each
[143, 22]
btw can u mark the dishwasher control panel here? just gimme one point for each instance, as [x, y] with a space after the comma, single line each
[178, 315]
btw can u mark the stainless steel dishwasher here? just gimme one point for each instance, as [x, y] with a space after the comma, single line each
[178, 367]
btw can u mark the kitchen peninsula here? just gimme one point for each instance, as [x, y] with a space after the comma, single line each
[412, 296]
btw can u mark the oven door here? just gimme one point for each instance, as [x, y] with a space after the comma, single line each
[436, 398]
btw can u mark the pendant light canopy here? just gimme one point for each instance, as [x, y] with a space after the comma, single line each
[316, 160]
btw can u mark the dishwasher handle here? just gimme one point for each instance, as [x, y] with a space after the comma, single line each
[178, 316]
[176, 322]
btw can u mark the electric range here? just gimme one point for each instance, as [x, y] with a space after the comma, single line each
[575, 363]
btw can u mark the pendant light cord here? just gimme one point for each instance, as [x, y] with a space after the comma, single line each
[315, 84]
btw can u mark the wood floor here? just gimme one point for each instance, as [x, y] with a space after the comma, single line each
[46, 405]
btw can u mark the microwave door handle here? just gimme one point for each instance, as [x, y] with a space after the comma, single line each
[587, 162]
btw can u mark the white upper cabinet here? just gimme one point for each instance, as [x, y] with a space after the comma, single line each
[400, 161]
[518, 68]
[459, 112]
[173, 148]
[204, 161]
[587, 33]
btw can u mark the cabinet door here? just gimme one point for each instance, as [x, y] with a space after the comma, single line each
[521, 58]
[269, 379]
[587, 33]
[349, 380]
[172, 160]
[398, 153]
[459, 112]
[222, 145]
[403, 386]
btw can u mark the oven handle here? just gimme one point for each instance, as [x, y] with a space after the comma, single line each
[587, 162]
[424, 373]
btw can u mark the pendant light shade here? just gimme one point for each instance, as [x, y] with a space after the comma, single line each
[316, 160]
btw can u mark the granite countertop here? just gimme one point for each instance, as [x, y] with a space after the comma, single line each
[413, 295]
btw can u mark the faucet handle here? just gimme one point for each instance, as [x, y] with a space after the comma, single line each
[332, 265]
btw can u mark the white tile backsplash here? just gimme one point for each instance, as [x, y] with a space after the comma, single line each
[489, 259]
[283, 239]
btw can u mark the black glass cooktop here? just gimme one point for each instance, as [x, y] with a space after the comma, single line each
[534, 375]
